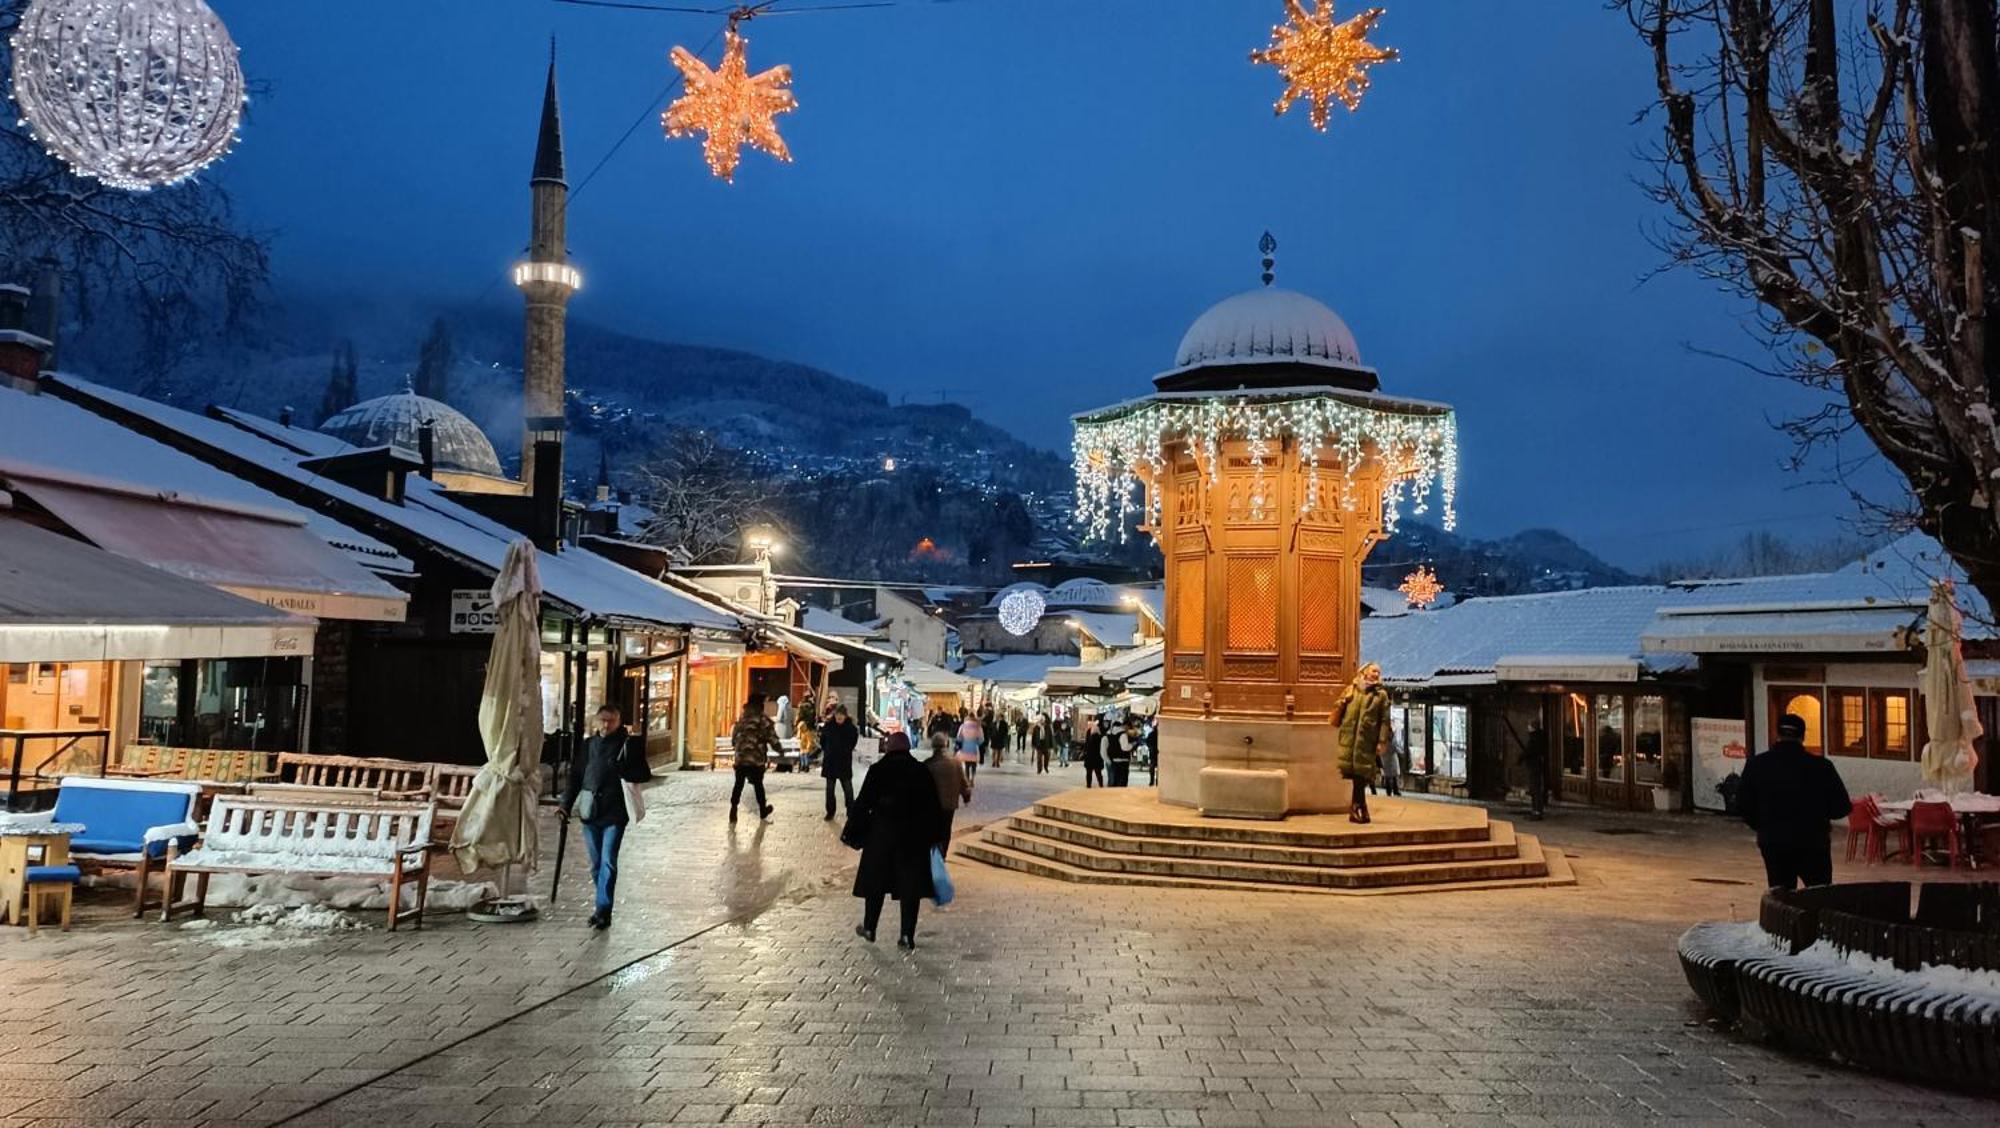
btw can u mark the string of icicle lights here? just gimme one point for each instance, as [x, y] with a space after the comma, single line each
[1419, 449]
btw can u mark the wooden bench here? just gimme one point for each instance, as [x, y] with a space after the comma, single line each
[214, 765]
[451, 785]
[784, 758]
[259, 836]
[307, 793]
[395, 779]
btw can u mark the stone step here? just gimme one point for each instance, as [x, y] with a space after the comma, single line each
[1516, 865]
[1555, 872]
[1499, 844]
[1475, 829]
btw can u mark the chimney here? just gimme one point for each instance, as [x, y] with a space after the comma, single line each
[603, 474]
[427, 447]
[44, 313]
[285, 416]
[546, 494]
[22, 353]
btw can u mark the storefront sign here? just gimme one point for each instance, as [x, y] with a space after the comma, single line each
[326, 605]
[473, 612]
[1720, 750]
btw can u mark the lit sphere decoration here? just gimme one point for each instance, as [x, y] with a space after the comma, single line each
[136, 93]
[1020, 611]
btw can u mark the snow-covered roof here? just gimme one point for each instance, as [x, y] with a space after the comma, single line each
[48, 579]
[582, 581]
[1083, 592]
[1471, 638]
[822, 621]
[926, 678]
[1109, 628]
[1018, 669]
[55, 434]
[1152, 598]
[1265, 325]
[1024, 585]
[1132, 666]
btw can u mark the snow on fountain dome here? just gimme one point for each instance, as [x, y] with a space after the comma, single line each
[396, 419]
[1268, 324]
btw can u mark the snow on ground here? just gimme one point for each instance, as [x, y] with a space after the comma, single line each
[1931, 977]
[234, 890]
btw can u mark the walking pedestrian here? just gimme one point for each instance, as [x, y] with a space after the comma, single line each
[1152, 751]
[999, 733]
[595, 796]
[1392, 764]
[971, 745]
[1093, 752]
[753, 739]
[1121, 747]
[1361, 726]
[953, 788]
[837, 738]
[1043, 740]
[898, 805]
[1789, 796]
[1535, 760]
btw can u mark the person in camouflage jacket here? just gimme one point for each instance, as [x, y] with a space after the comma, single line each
[753, 739]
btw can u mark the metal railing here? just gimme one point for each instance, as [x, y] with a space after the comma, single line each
[68, 757]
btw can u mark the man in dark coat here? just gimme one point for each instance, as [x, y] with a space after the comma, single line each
[899, 808]
[837, 738]
[1535, 761]
[1789, 796]
[1093, 753]
[599, 770]
[1121, 747]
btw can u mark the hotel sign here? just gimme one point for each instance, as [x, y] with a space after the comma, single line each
[473, 612]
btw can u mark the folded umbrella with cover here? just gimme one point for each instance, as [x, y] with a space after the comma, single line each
[1948, 703]
[497, 826]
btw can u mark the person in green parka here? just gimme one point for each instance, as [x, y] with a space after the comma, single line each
[1361, 725]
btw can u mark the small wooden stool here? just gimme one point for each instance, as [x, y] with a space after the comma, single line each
[53, 882]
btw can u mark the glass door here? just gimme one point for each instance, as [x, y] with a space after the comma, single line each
[1612, 763]
[1571, 734]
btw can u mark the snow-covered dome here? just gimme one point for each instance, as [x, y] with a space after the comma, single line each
[1083, 593]
[394, 420]
[1010, 589]
[1265, 325]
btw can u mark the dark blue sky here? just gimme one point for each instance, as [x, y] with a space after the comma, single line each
[1025, 202]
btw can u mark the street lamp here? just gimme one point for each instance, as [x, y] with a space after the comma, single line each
[762, 542]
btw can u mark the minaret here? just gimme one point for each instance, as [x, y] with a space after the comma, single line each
[546, 280]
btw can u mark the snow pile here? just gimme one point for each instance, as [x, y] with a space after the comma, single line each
[299, 918]
[1931, 977]
[265, 928]
[240, 890]
[1734, 940]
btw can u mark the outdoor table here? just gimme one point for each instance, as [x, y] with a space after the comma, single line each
[18, 843]
[1971, 807]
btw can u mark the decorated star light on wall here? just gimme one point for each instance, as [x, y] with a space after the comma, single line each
[1321, 60]
[1021, 611]
[1421, 588]
[135, 93]
[730, 106]
[1115, 450]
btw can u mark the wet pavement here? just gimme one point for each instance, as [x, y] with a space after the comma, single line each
[731, 990]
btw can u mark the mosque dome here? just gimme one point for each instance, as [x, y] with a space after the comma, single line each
[1265, 325]
[394, 420]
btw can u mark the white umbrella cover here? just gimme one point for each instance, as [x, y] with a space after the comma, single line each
[497, 826]
[1948, 703]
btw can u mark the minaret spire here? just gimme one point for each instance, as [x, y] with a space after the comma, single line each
[546, 280]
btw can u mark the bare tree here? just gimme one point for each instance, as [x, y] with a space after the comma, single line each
[702, 495]
[147, 272]
[1836, 161]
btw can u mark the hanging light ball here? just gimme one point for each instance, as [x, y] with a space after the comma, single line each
[135, 93]
[1020, 611]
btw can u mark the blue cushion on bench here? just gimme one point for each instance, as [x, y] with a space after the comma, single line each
[52, 875]
[117, 814]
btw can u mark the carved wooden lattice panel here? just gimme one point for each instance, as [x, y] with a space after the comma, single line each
[1253, 603]
[1319, 612]
[1190, 587]
[1187, 504]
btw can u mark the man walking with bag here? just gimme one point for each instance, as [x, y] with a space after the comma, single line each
[599, 776]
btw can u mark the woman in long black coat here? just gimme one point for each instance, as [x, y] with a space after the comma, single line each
[899, 810]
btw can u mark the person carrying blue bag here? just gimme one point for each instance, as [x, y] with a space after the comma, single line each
[894, 822]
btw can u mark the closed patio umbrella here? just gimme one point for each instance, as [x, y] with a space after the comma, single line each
[497, 826]
[1948, 704]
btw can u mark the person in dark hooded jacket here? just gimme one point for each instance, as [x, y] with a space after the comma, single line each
[898, 806]
[837, 738]
[1789, 797]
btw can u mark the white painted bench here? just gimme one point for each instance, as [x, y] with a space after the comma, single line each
[264, 836]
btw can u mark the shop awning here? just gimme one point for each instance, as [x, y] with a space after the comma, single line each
[1140, 668]
[64, 601]
[1566, 668]
[1850, 630]
[259, 554]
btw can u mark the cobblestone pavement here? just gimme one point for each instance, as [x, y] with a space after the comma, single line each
[730, 990]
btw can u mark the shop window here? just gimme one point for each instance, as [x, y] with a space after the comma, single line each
[1649, 739]
[1847, 712]
[1803, 702]
[1894, 730]
[1575, 722]
[1412, 726]
[1449, 726]
[1610, 741]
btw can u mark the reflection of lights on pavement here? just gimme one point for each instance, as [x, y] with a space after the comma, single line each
[639, 972]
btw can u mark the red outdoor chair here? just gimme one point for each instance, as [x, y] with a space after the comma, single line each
[1866, 828]
[1932, 821]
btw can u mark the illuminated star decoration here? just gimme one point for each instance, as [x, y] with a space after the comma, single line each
[1321, 60]
[731, 106]
[1421, 588]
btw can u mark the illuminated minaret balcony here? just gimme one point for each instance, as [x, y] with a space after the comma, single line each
[561, 274]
